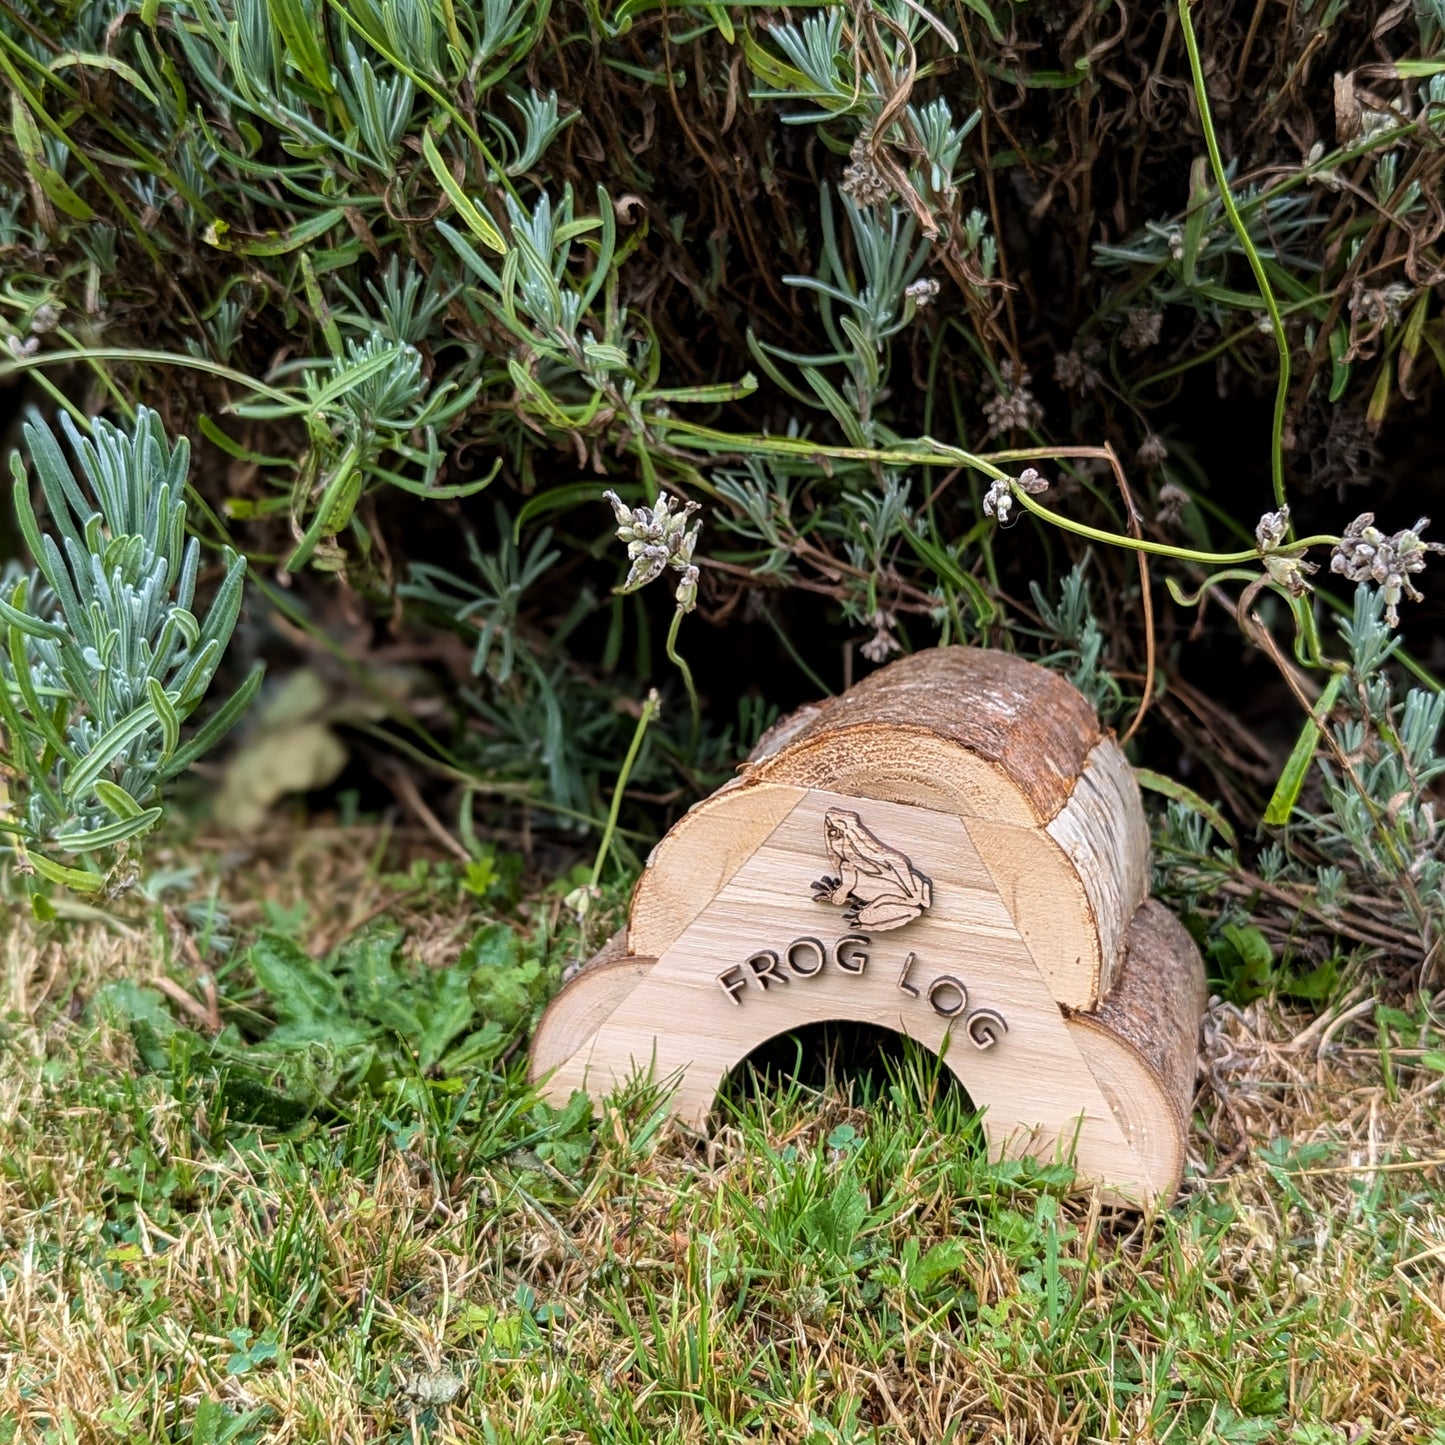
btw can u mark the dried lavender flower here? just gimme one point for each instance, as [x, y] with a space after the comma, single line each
[1075, 371]
[1172, 502]
[922, 292]
[1272, 529]
[1142, 330]
[658, 537]
[999, 499]
[1375, 308]
[1366, 554]
[687, 590]
[883, 642]
[1289, 572]
[1014, 407]
[862, 179]
[1068, 369]
[1152, 451]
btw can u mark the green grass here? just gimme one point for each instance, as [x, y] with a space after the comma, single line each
[447, 1259]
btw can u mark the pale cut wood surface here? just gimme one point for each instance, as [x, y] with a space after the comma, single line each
[1002, 709]
[1007, 744]
[1041, 887]
[1046, 899]
[1103, 832]
[1040, 1094]
[1141, 1109]
[1003, 844]
[1142, 1043]
[899, 765]
[571, 1020]
[701, 852]
[1158, 1001]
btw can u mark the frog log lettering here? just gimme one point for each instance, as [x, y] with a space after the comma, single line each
[805, 958]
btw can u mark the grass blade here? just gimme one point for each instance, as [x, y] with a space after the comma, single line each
[1291, 780]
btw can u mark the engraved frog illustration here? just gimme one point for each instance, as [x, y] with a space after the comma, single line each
[881, 884]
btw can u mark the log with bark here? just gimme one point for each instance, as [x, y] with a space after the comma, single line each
[952, 849]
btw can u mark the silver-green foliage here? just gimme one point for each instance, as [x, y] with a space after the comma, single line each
[1366, 850]
[1380, 775]
[1072, 623]
[105, 656]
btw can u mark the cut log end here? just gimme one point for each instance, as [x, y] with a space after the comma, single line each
[1142, 1042]
[1139, 1051]
[571, 1021]
[952, 841]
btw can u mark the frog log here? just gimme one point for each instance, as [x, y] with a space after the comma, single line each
[952, 849]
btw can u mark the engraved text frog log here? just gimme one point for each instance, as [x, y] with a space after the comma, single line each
[881, 886]
[969, 800]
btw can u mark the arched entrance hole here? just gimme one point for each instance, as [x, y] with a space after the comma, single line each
[863, 1064]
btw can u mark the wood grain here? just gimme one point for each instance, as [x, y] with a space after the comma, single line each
[1023, 719]
[953, 850]
[680, 1025]
[698, 857]
[570, 1021]
[1104, 834]
[1158, 1001]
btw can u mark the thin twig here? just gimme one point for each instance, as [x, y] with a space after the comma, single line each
[400, 782]
[649, 711]
[186, 1002]
[1226, 198]
[1136, 530]
[1399, 1166]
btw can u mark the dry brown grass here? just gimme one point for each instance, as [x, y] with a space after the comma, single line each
[773, 1283]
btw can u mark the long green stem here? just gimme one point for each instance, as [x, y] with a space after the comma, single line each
[927, 453]
[1226, 197]
[63, 401]
[644, 721]
[680, 663]
[1161, 549]
[135, 354]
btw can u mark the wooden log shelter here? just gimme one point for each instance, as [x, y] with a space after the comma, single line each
[952, 849]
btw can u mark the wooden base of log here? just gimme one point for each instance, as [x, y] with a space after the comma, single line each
[951, 850]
